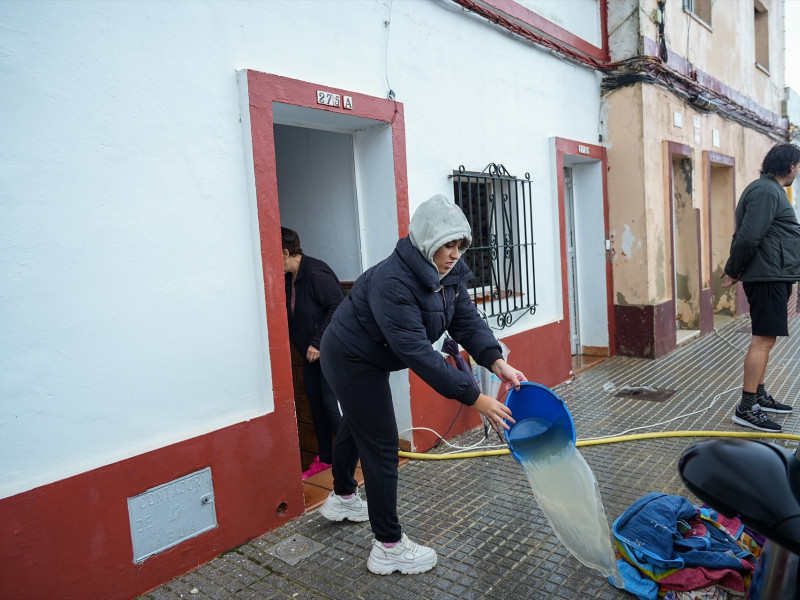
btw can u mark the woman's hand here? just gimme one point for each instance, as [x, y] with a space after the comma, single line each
[507, 374]
[494, 411]
[312, 354]
[729, 281]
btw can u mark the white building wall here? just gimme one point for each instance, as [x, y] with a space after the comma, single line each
[497, 100]
[131, 300]
[579, 17]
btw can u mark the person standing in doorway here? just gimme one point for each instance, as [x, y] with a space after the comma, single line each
[388, 322]
[765, 257]
[313, 293]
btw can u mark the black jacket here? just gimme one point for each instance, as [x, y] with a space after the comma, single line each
[317, 294]
[766, 244]
[398, 308]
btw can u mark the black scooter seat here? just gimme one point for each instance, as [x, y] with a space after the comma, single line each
[758, 481]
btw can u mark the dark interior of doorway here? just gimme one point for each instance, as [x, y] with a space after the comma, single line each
[305, 428]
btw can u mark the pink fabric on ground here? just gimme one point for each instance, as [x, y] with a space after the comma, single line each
[316, 467]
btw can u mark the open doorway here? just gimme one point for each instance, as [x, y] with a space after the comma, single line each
[685, 243]
[317, 199]
[319, 177]
[722, 208]
[585, 248]
[331, 165]
[572, 264]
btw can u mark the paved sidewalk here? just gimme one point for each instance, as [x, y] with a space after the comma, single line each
[480, 514]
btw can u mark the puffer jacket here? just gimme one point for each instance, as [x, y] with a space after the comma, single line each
[317, 295]
[766, 244]
[399, 307]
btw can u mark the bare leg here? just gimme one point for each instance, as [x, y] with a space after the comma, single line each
[755, 361]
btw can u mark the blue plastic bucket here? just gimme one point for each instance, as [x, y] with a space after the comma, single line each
[539, 413]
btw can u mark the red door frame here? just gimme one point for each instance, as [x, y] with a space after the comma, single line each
[263, 90]
[565, 147]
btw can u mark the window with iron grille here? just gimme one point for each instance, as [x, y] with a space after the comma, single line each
[500, 210]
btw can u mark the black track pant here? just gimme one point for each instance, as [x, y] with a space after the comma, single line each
[369, 430]
[324, 408]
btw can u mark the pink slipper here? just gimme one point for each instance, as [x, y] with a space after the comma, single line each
[316, 467]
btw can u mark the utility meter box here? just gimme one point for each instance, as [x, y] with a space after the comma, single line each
[166, 515]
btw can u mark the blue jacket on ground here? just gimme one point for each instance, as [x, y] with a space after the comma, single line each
[650, 536]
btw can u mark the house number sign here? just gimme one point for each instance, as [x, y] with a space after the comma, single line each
[331, 99]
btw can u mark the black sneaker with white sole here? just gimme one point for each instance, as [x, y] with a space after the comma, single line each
[756, 418]
[769, 404]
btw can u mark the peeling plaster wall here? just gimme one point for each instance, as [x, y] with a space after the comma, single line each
[640, 123]
[563, 14]
[722, 208]
[656, 174]
[654, 134]
[714, 50]
[627, 194]
[726, 50]
[623, 29]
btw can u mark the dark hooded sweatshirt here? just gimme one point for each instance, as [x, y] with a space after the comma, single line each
[317, 293]
[399, 307]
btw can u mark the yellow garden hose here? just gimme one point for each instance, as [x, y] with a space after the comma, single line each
[610, 440]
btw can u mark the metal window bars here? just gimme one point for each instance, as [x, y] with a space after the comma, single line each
[499, 208]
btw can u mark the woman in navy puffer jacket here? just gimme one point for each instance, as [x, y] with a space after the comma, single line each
[388, 322]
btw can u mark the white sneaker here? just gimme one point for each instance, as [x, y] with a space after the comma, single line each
[336, 508]
[407, 557]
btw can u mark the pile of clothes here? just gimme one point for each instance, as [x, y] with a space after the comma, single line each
[669, 548]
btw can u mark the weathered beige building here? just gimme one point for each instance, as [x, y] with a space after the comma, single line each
[692, 102]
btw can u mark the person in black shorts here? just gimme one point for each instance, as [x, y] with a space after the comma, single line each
[765, 257]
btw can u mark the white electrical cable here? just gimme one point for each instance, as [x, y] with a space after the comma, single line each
[457, 448]
[683, 416]
[728, 391]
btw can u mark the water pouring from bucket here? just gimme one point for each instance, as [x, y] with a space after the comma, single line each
[543, 441]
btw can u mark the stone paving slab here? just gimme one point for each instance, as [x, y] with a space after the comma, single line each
[480, 515]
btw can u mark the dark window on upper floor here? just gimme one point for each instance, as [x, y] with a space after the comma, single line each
[761, 29]
[700, 9]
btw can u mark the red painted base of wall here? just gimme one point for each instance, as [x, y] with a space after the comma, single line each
[645, 331]
[72, 538]
[649, 331]
[706, 311]
[446, 417]
[543, 354]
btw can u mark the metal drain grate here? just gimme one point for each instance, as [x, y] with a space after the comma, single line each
[294, 549]
[644, 393]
